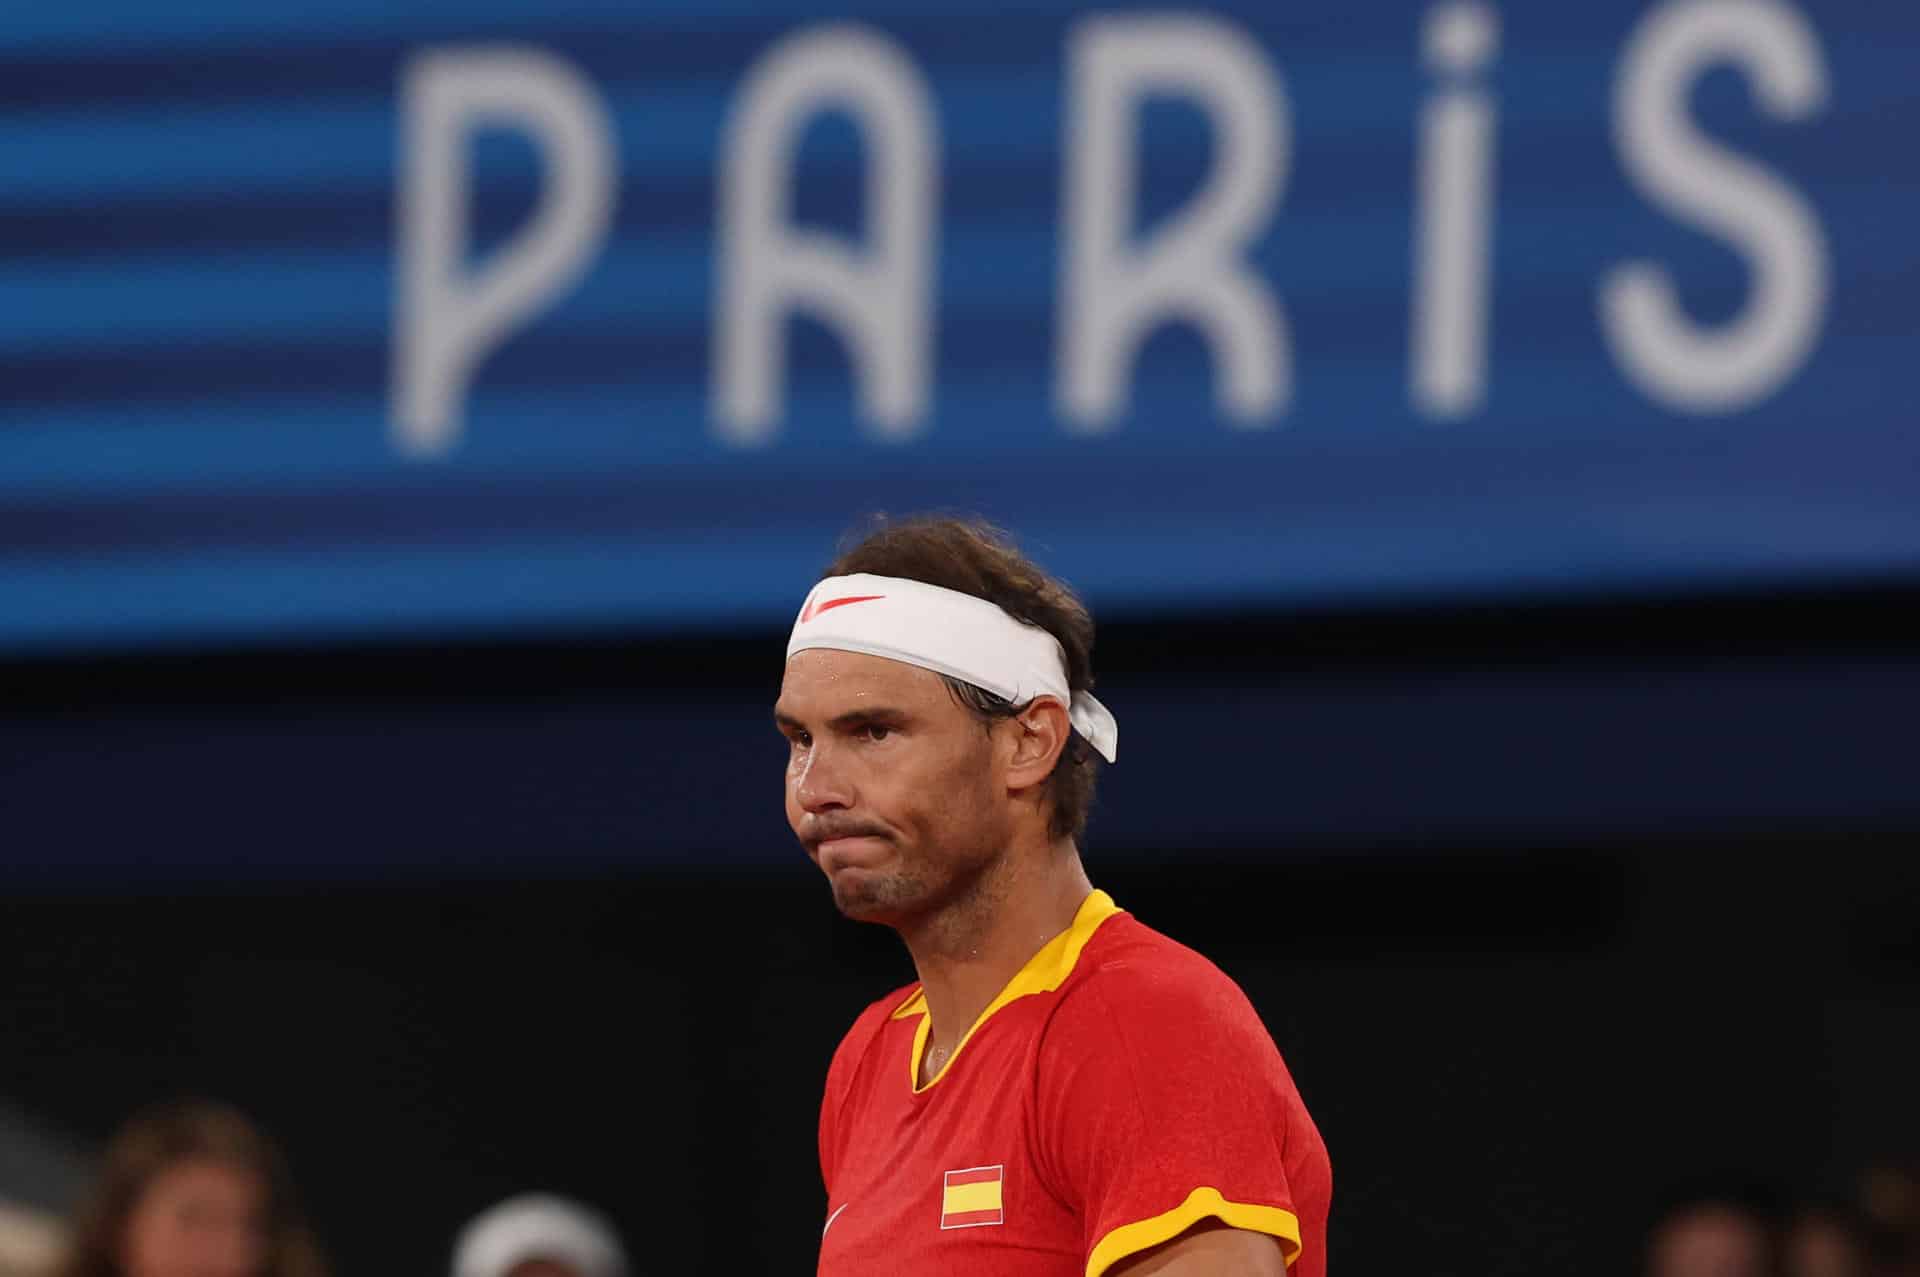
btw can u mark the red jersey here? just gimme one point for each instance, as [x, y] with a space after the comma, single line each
[1119, 1090]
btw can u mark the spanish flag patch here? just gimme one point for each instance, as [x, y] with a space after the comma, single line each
[972, 1197]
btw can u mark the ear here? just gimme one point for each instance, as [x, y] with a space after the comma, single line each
[1039, 732]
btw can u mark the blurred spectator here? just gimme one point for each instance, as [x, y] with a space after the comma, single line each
[191, 1189]
[1727, 1232]
[29, 1242]
[1890, 1197]
[1827, 1239]
[539, 1236]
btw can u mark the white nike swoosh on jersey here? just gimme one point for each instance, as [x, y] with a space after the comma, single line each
[834, 1216]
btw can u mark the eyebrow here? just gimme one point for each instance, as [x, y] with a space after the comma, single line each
[882, 715]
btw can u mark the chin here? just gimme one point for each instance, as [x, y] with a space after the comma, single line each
[858, 902]
[865, 896]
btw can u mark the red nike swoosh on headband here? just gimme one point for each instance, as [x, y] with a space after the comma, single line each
[814, 609]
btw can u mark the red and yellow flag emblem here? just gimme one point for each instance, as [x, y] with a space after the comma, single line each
[972, 1197]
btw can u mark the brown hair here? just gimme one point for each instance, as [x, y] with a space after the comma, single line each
[162, 1138]
[973, 557]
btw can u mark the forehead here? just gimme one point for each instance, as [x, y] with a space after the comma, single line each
[825, 682]
[200, 1176]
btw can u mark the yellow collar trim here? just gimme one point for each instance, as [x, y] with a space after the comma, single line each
[1045, 971]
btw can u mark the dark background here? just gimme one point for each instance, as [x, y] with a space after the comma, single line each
[1550, 908]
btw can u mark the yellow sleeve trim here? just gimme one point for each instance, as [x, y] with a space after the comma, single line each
[1201, 1203]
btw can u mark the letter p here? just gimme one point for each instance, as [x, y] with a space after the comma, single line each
[446, 320]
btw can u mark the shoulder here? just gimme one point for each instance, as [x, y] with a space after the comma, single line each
[1134, 981]
[1144, 1013]
[867, 1028]
[840, 1102]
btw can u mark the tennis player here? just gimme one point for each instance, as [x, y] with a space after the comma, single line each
[1064, 1091]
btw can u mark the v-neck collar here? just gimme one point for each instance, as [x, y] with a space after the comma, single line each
[1044, 972]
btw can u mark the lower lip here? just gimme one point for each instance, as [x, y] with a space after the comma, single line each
[846, 853]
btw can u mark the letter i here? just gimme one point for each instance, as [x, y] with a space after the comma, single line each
[1453, 226]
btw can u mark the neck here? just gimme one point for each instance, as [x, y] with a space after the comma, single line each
[968, 952]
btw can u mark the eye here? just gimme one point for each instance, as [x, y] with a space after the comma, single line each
[876, 732]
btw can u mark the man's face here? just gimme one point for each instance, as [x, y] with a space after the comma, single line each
[893, 788]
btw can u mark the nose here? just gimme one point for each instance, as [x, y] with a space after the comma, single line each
[819, 782]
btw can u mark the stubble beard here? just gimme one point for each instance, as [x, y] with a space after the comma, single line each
[923, 891]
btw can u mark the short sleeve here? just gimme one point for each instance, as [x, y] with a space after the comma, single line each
[1162, 1102]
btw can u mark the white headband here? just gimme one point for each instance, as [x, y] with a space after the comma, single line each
[949, 633]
